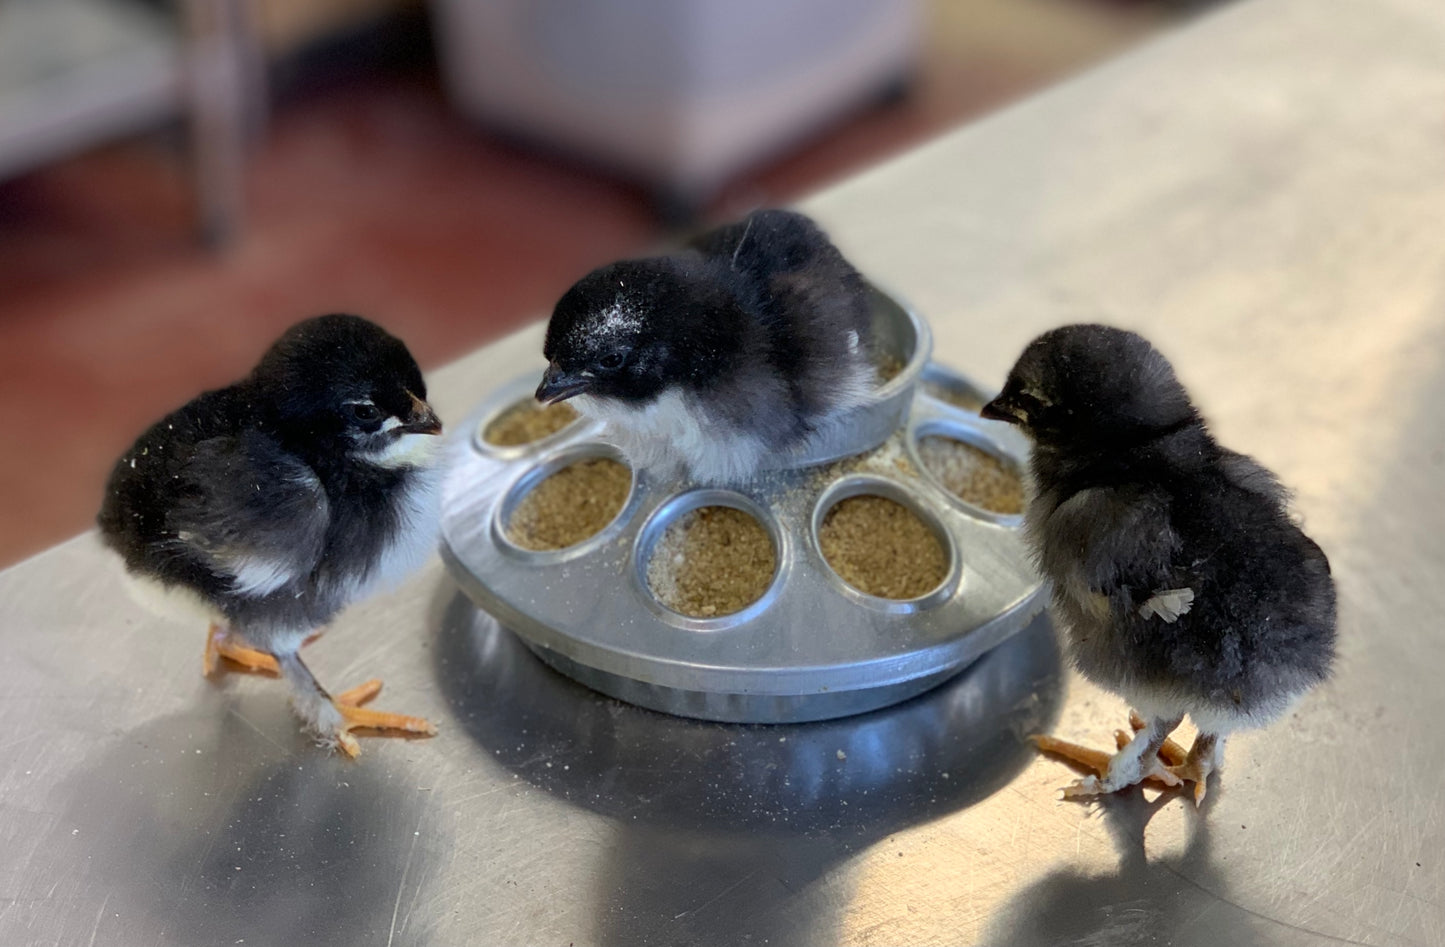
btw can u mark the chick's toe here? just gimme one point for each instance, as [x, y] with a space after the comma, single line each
[223, 653]
[376, 723]
[1111, 773]
[354, 717]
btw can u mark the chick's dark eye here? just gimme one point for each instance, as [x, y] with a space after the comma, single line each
[1029, 402]
[365, 412]
[612, 360]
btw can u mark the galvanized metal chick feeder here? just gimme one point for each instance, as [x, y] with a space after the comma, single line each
[813, 646]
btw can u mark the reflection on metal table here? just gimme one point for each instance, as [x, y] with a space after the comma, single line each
[1261, 195]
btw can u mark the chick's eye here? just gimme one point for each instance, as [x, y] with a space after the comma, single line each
[364, 411]
[612, 360]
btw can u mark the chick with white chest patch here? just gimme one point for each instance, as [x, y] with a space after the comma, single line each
[1181, 582]
[271, 504]
[745, 344]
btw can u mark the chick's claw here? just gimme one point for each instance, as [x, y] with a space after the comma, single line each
[1084, 788]
[1197, 773]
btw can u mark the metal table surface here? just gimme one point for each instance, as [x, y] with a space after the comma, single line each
[1263, 195]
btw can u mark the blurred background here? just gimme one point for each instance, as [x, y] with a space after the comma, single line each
[182, 179]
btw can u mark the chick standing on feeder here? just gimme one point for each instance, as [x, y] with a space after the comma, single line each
[1181, 581]
[270, 505]
[746, 344]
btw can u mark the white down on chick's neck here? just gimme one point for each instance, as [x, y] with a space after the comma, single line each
[406, 450]
[418, 509]
[671, 429]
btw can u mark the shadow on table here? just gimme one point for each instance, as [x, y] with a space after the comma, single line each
[1180, 900]
[199, 829]
[725, 830]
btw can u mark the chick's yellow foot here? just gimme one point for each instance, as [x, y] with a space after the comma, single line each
[1170, 752]
[1192, 767]
[353, 716]
[1195, 772]
[1129, 766]
[1204, 758]
[1153, 772]
[223, 653]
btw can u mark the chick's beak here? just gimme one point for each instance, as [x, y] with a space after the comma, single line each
[558, 385]
[422, 419]
[1003, 409]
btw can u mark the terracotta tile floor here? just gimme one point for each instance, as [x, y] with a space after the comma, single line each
[369, 195]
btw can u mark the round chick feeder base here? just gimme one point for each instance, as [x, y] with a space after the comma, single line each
[813, 646]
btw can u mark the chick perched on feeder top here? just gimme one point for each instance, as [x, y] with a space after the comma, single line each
[1179, 577]
[745, 344]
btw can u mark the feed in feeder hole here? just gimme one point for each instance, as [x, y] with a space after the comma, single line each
[881, 547]
[887, 366]
[570, 505]
[526, 422]
[973, 475]
[711, 562]
[955, 395]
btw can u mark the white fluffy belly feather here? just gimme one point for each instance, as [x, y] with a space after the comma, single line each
[670, 431]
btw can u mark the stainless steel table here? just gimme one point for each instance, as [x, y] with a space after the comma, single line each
[1264, 195]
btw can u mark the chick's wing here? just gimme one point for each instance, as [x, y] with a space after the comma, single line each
[250, 510]
[1116, 542]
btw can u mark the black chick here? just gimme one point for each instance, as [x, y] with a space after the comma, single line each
[747, 343]
[270, 505]
[1181, 581]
